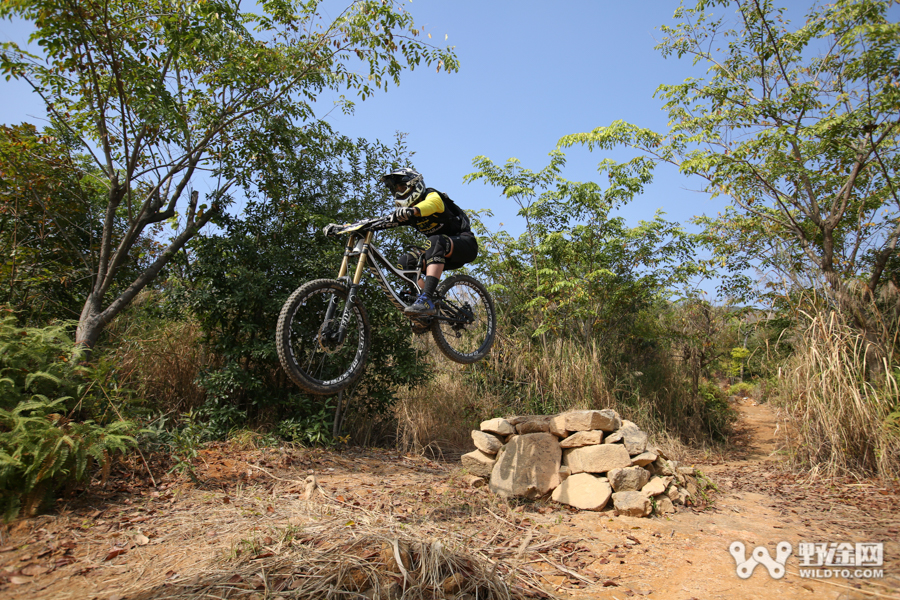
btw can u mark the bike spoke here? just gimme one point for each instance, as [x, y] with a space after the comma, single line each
[466, 332]
[308, 344]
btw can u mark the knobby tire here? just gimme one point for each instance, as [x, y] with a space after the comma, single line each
[464, 297]
[307, 347]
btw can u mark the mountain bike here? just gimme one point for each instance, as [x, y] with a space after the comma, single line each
[324, 335]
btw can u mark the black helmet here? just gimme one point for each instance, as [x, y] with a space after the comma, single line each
[406, 185]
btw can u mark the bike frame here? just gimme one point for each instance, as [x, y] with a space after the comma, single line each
[364, 247]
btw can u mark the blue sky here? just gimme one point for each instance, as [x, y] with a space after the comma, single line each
[530, 73]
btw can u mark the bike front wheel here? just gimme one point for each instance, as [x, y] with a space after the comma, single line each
[466, 324]
[311, 348]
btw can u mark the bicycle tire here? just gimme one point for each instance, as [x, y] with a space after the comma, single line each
[313, 361]
[462, 297]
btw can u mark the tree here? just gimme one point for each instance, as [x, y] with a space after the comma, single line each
[44, 226]
[577, 269]
[49, 231]
[159, 93]
[240, 276]
[798, 127]
[699, 336]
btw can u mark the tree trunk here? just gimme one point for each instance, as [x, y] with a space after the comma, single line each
[90, 324]
[94, 316]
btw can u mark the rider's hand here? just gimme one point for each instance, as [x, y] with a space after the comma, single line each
[404, 214]
[331, 229]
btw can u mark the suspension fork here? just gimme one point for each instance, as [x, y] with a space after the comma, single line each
[354, 285]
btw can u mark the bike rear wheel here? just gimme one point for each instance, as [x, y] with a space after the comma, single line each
[466, 324]
[309, 347]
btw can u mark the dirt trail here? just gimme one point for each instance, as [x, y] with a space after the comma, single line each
[175, 540]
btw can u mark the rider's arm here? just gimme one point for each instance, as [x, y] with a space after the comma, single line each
[430, 205]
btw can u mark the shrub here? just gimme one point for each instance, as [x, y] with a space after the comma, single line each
[718, 416]
[844, 396]
[43, 446]
[41, 451]
[157, 353]
[742, 389]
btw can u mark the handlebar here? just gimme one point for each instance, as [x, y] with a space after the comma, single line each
[376, 224]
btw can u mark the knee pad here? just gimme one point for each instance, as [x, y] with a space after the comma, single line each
[436, 249]
[410, 260]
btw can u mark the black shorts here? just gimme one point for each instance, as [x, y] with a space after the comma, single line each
[465, 250]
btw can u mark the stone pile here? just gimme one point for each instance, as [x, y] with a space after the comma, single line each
[584, 459]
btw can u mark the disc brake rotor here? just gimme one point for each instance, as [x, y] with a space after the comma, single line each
[328, 345]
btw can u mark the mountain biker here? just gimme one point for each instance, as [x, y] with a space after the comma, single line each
[451, 243]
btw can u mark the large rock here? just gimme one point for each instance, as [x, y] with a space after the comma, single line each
[584, 491]
[527, 466]
[596, 459]
[486, 442]
[585, 420]
[634, 439]
[687, 471]
[628, 479]
[558, 426]
[498, 426]
[478, 463]
[691, 486]
[678, 495]
[582, 438]
[664, 505]
[656, 486]
[643, 460]
[661, 466]
[540, 424]
[632, 504]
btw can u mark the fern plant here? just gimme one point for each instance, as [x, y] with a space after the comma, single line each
[42, 447]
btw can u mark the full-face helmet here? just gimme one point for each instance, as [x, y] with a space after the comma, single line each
[406, 185]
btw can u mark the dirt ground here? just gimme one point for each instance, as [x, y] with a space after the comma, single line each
[258, 526]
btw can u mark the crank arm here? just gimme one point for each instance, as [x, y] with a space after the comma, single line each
[453, 320]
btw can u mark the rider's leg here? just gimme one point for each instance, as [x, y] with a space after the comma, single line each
[435, 269]
[433, 274]
[439, 248]
[412, 260]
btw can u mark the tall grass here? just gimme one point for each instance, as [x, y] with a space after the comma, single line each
[159, 359]
[548, 377]
[842, 395]
[436, 418]
[524, 377]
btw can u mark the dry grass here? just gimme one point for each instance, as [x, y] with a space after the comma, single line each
[840, 405]
[276, 537]
[521, 379]
[332, 561]
[555, 376]
[159, 360]
[290, 538]
[437, 418]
